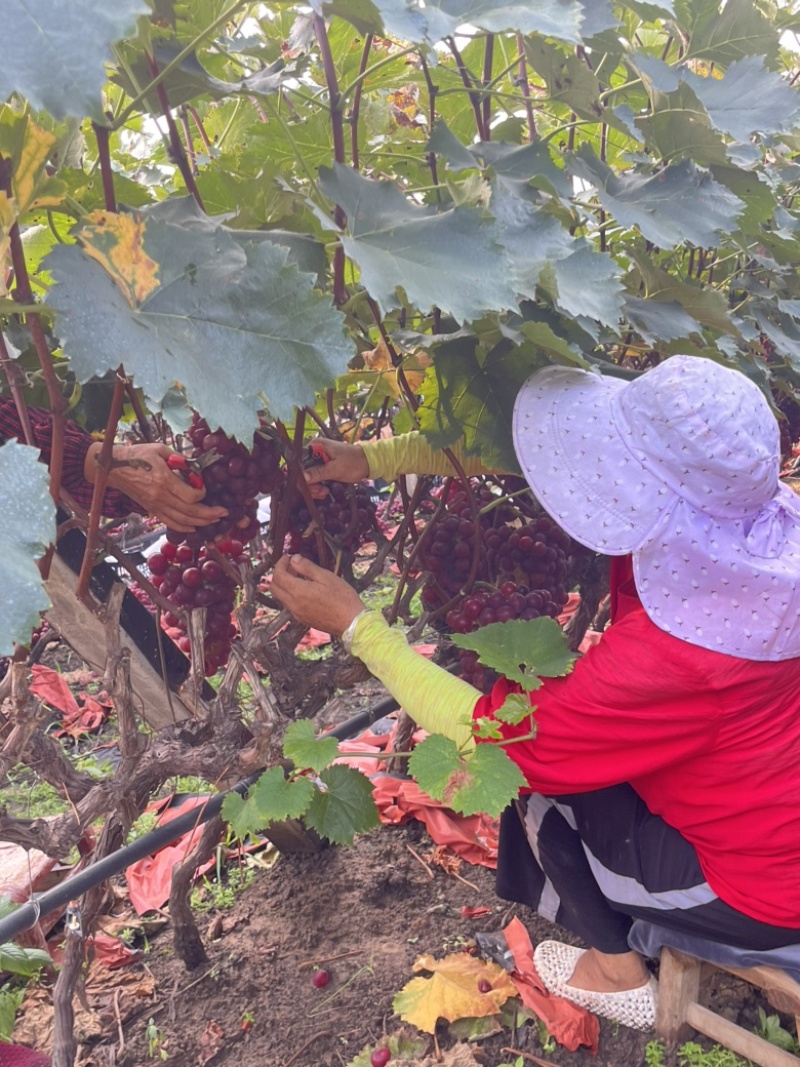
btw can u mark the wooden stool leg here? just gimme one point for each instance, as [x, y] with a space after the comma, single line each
[678, 987]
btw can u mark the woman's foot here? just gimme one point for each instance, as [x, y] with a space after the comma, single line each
[617, 987]
[604, 973]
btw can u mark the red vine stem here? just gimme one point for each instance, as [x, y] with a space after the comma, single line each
[24, 294]
[138, 410]
[486, 105]
[103, 136]
[175, 142]
[432, 91]
[187, 136]
[474, 98]
[200, 127]
[337, 129]
[525, 86]
[357, 99]
[100, 480]
[11, 372]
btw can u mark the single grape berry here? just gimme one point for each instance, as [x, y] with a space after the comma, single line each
[484, 986]
[320, 978]
[380, 1057]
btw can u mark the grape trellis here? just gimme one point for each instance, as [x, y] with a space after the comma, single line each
[233, 226]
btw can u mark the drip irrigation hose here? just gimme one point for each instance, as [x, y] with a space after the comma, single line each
[39, 904]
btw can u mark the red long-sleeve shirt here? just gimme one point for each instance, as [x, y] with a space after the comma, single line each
[710, 742]
[76, 445]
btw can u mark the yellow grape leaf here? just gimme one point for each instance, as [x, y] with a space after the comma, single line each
[453, 991]
[117, 243]
[379, 361]
[34, 152]
[8, 216]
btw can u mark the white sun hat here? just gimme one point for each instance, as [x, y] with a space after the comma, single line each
[679, 467]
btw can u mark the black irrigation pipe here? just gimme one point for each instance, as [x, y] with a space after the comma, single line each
[43, 903]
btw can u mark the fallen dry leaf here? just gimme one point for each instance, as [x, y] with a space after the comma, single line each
[211, 1042]
[459, 987]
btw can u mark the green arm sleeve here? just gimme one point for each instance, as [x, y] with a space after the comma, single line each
[435, 699]
[410, 453]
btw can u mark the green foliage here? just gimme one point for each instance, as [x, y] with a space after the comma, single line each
[342, 806]
[10, 1003]
[273, 798]
[55, 53]
[19, 962]
[524, 652]
[307, 751]
[484, 780]
[770, 1028]
[337, 802]
[654, 1054]
[693, 1055]
[28, 527]
[214, 293]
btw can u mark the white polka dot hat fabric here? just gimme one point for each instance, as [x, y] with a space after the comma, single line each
[679, 467]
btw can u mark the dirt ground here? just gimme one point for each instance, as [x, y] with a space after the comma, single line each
[376, 908]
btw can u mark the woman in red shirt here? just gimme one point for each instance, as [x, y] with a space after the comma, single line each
[663, 779]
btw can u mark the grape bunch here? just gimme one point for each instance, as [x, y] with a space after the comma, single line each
[190, 578]
[347, 517]
[233, 477]
[487, 605]
[523, 558]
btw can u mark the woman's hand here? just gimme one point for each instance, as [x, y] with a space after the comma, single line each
[346, 463]
[141, 472]
[315, 596]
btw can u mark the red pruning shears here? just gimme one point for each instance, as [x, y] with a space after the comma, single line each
[315, 455]
[181, 465]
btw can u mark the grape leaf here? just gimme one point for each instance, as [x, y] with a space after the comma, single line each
[677, 203]
[433, 763]
[28, 527]
[343, 807]
[489, 782]
[470, 395]
[273, 798]
[749, 99]
[282, 341]
[452, 991]
[514, 709]
[570, 81]
[660, 321]
[485, 781]
[59, 51]
[450, 259]
[23, 961]
[679, 128]
[585, 284]
[552, 18]
[708, 306]
[10, 1002]
[721, 37]
[307, 751]
[522, 651]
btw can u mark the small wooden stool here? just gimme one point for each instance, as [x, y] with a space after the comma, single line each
[679, 1009]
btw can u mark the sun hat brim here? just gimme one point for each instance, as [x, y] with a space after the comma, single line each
[569, 437]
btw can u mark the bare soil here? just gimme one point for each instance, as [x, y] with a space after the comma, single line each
[376, 908]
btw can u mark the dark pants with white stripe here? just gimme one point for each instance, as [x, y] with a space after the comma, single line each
[594, 862]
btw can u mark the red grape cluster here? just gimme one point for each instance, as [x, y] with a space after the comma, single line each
[347, 516]
[233, 477]
[522, 566]
[485, 606]
[189, 578]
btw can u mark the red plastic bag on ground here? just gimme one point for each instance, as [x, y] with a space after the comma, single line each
[149, 879]
[570, 1025]
[473, 837]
